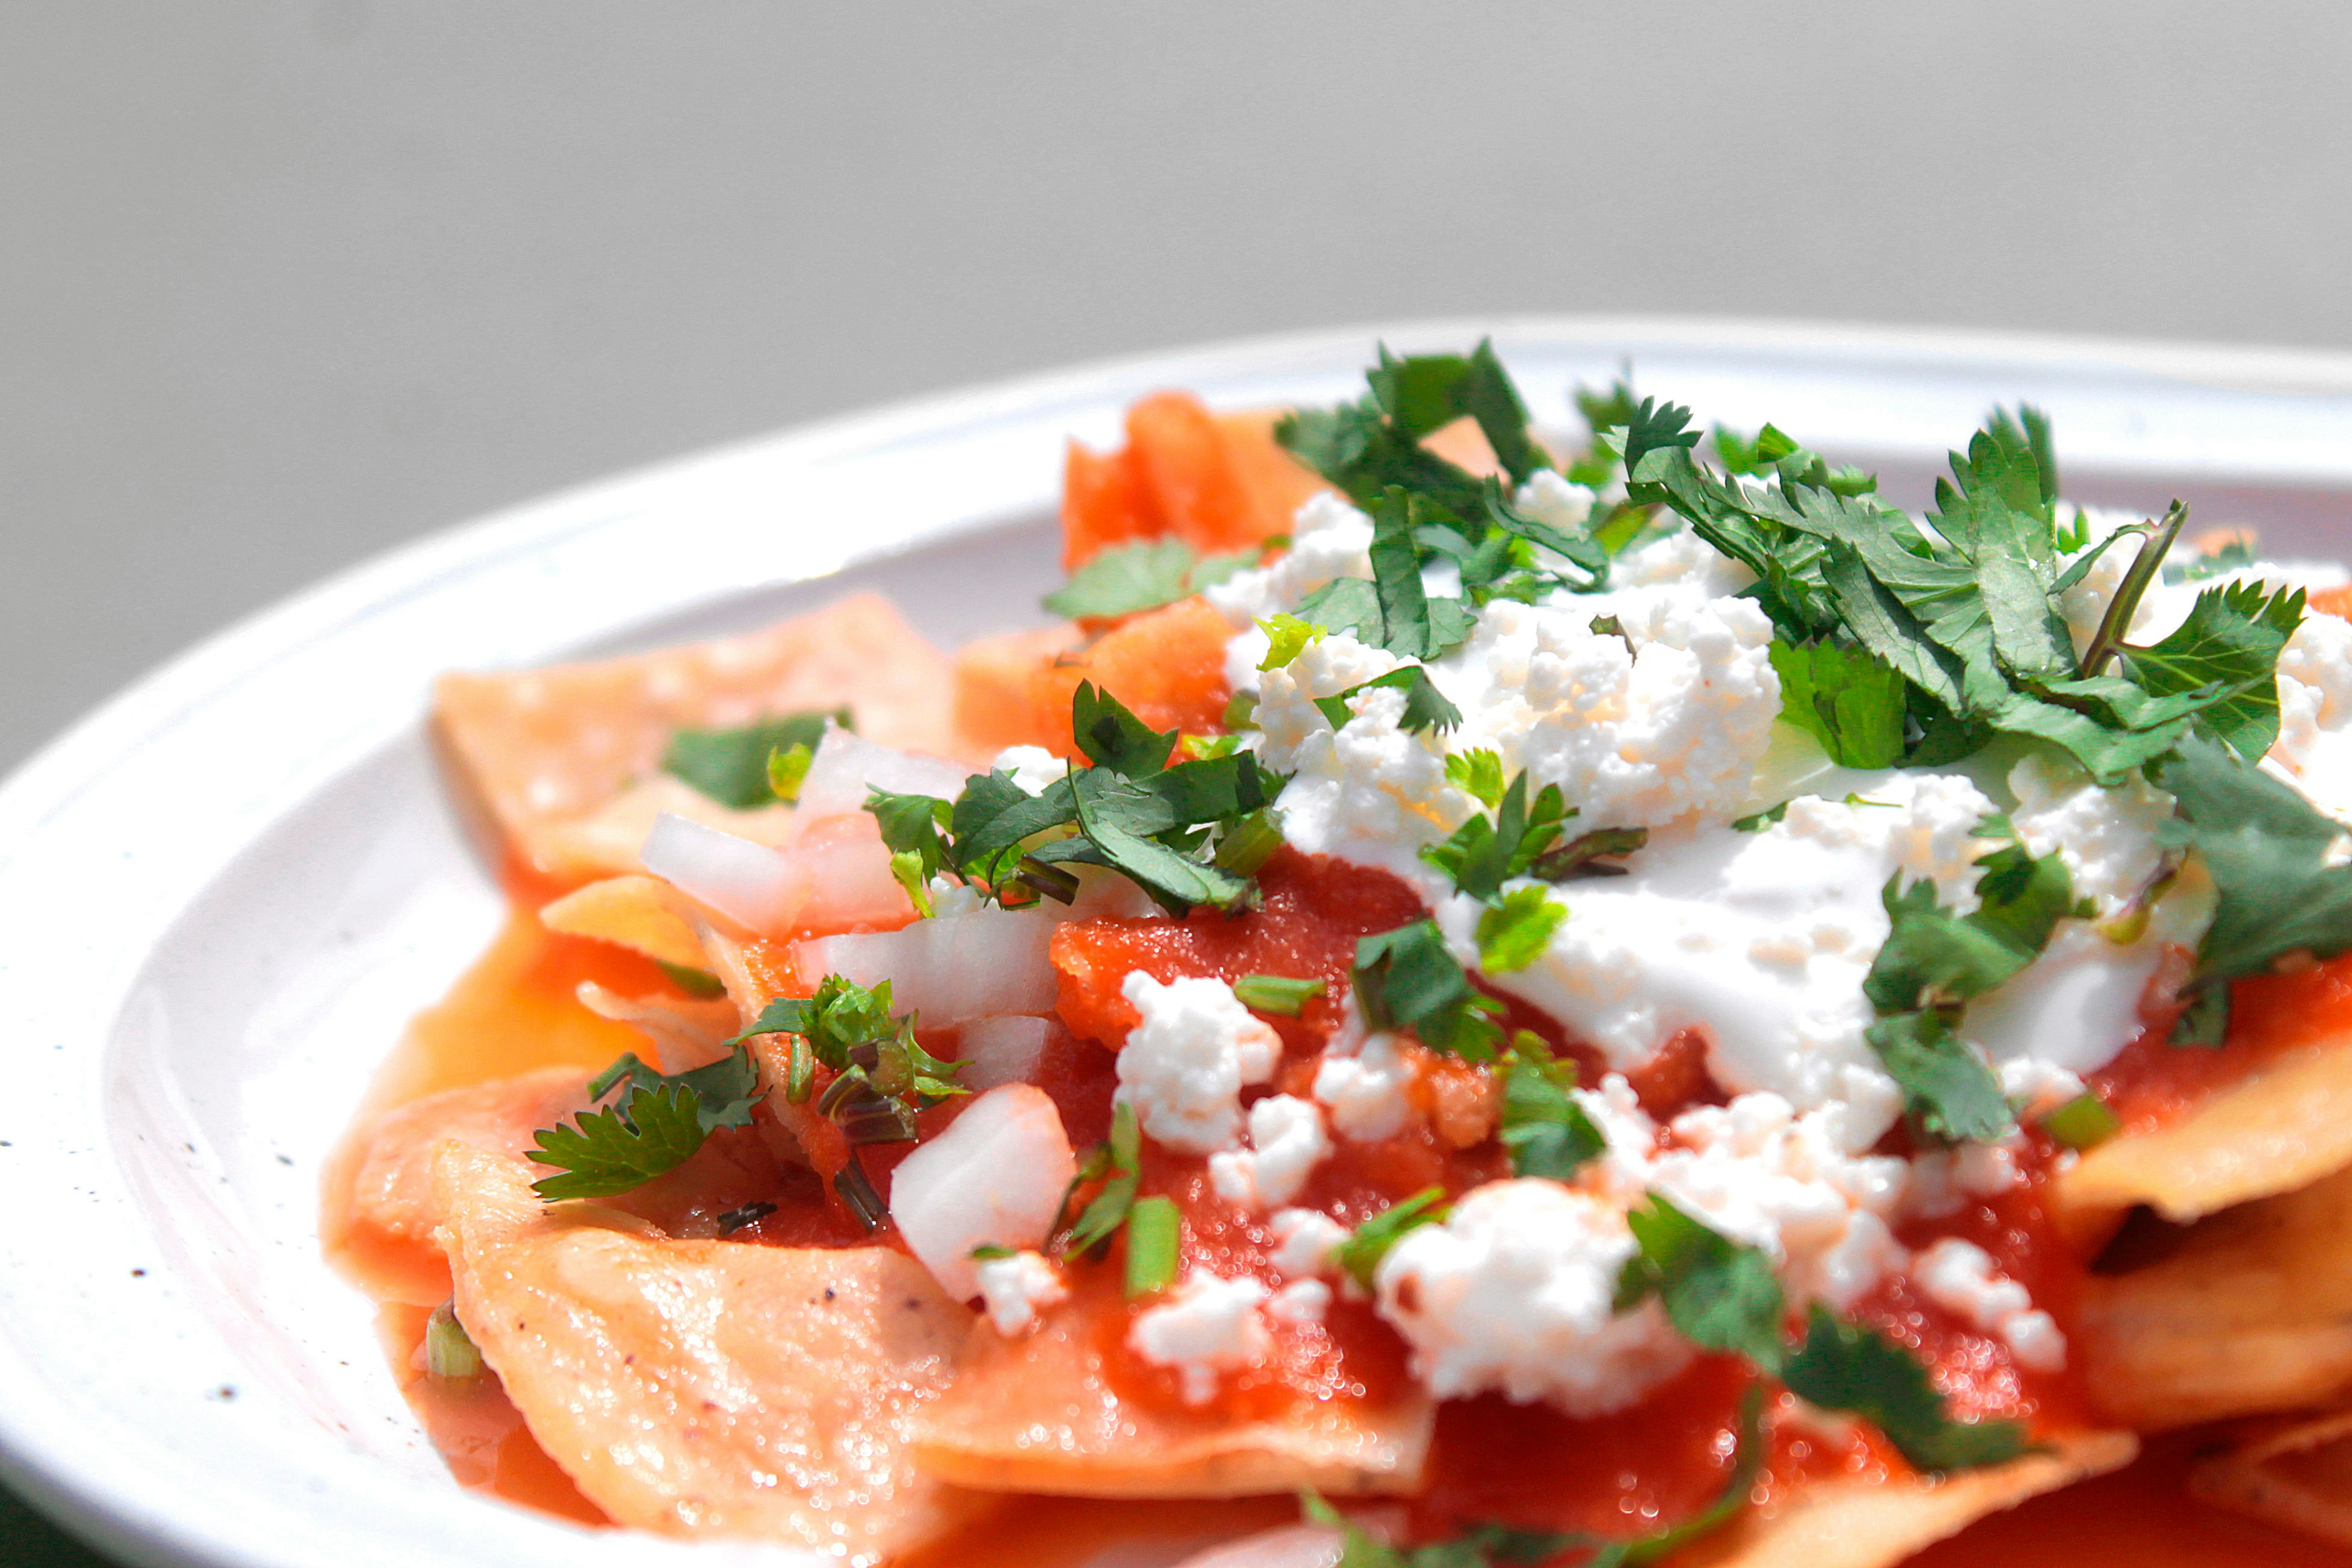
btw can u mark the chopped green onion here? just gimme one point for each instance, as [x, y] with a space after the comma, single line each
[2084, 1122]
[1152, 1234]
[449, 1350]
[800, 1073]
[1276, 994]
[850, 1181]
[1249, 843]
[694, 982]
[989, 1252]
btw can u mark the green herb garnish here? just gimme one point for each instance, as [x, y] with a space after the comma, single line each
[730, 766]
[655, 1125]
[1126, 580]
[1369, 1242]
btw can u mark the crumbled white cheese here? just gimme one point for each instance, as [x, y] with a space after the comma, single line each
[1946, 1181]
[2314, 743]
[2106, 837]
[1033, 767]
[1790, 1183]
[1329, 538]
[1959, 1276]
[1514, 1292]
[1287, 1143]
[1015, 1289]
[1185, 1065]
[1366, 1092]
[1300, 1301]
[1207, 1327]
[1304, 1240]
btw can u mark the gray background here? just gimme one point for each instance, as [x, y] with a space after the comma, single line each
[288, 283]
[283, 284]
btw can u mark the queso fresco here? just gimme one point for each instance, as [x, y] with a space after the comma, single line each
[1471, 1002]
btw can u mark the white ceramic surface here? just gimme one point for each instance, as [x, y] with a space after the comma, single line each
[221, 895]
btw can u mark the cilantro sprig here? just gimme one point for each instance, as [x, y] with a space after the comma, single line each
[1406, 979]
[1547, 1132]
[1934, 962]
[654, 1127]
[880, 1073]
[1168, 828]
[1961, 615]
[1721, 1295]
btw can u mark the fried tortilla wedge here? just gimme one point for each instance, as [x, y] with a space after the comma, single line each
[634, 912]
[1859, 1523]
[2284, 1126]
[1036, 1414]
[550, 752]
[2296, 1474]
[2253, 1313]
[378, 1208]
[708, 1388]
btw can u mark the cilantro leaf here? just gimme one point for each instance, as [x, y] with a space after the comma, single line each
[605, 1153]
[1478, 774]
[655, 1126]
[1425, 707]
[1369, 1242]
[1547, 1132]
[2265, 847]
[1117, 1163]
[1112, 738]
[1718, 1293]
[730, 766]
[1121, 820]
[1128, 578]
[2231, 639]
[1405, 978]
[994, 816]
[1845, 1366]
[1849, 699]
[1484, 853]
[1286, 637]
[1946, 1087]
[1515, 929]
[1428, 392]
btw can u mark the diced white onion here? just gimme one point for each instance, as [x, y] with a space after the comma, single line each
[950, 969]
[847, 766]
[1285, 1546]
[996, 1050]
[849, 875]
[749, 884]
[994, 1178]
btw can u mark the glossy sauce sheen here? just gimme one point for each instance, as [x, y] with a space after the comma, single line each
[515, 1011]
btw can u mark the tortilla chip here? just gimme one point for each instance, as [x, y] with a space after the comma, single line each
[378, 1210]
[2296, 1474]
[2284, 1126]
[1035, 1413]
[708, 1388]
[2253, 1313]
[548, 749]
[1859, 1523]
[632, 912]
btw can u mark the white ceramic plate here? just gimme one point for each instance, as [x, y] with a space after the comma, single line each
[223, 894]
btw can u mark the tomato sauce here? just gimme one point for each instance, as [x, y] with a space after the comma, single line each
[1623, 1475]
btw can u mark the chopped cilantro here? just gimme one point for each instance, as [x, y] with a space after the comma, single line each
[1478, 774]
[1514, 931]
[730, 766]
[1112, 738]
[1848, 699]
[1405, 978]
[1720, 1294]
[2267, 850]
[2233, 554]
[1425, 707]
[881, 1074]
[1484, 853]
[693, 981]
[1369, 1242]
[788, 769]
[1128, 578]
[1286, 637]
[1117, 1163]
[1547, 1132]
[1845, 1366]
[655, 1125]
[1276, 994]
